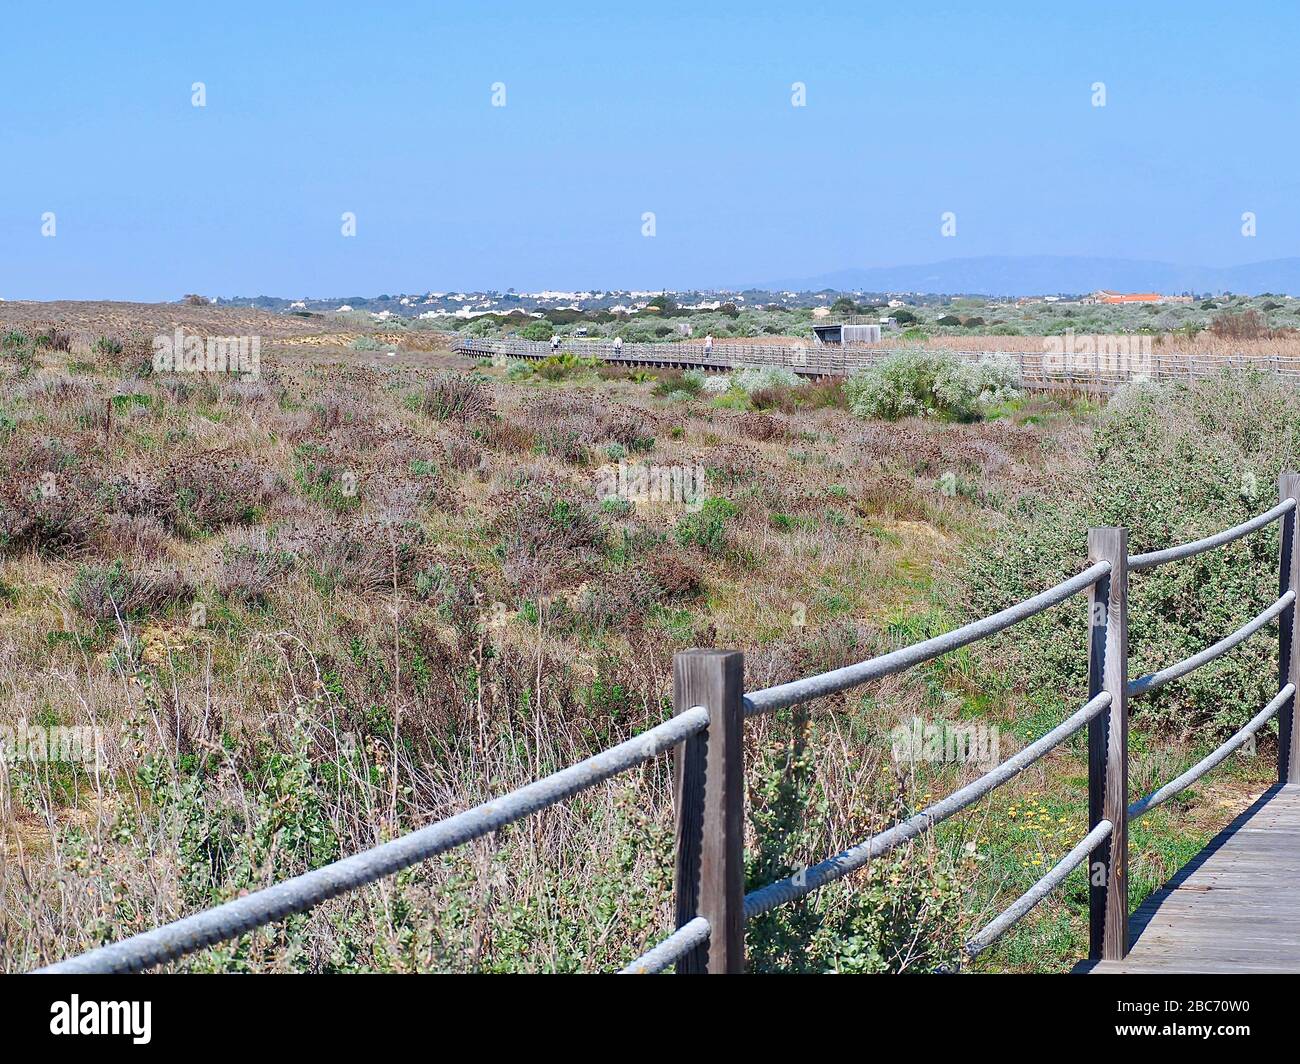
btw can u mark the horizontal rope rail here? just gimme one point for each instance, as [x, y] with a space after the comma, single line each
[691, 934]
[827, 683]
[1144, 685]
[302, 892]
[1139, 562]
[1220, 754]
[794, 887]
[998, 926]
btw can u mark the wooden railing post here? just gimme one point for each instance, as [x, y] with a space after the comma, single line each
[1108, 746]
[710, 785]
[1288, 658]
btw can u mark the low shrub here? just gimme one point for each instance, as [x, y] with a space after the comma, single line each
[825, 393]
[107, 594]
[320, 477]
[510, 436]
[537, 330]
[565, 442]
[781, 397]
[675, 385]
[194, 496]
[1170, 463]
[48, 501]
[674, 573]
[930, 383]
[135, 536]
[706, 529]
[564, 365]
[455, 397]
[367, 556]
[764, 378]
[18, 348]
[620, 601]
[568, 426]
[52, 338]
[761, 427]
[56, 523]
[549, 536]
[249, 566]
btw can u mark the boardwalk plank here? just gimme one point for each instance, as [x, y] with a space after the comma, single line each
[1233, 908]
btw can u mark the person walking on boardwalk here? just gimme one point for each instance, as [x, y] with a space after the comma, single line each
[555, 343]
[618, 346]
[708, 346]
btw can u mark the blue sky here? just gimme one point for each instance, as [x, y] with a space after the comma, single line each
[684, 110]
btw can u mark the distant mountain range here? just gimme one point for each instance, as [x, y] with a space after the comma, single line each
[1028, 275]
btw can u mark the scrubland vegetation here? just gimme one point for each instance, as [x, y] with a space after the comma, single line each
[316, 610]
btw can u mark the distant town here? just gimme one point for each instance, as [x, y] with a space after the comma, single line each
[469, 305]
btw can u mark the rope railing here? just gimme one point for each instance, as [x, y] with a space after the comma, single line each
[1010, 916]
[794, 887]
[828, 683]
[1140, 562]
[690, 936]
[786, 890]
[1219, 755]
[303, 892]
[1145, 685]
[711, 711]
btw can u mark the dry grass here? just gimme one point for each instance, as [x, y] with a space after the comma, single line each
[308, 616]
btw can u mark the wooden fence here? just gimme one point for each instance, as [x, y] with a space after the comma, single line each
[711, 904]
[1094, 372]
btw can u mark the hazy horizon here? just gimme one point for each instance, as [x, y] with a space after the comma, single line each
[1069, 275]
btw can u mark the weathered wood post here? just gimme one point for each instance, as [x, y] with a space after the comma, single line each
[1288, 656]
[710, 785]
[1108, 746]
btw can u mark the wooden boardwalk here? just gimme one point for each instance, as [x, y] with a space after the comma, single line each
[1234, 908]
[1036, 370]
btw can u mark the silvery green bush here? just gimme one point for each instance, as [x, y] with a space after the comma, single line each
[1171, 463]
[920, 383]
[755, 378]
